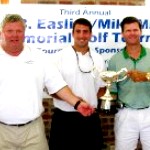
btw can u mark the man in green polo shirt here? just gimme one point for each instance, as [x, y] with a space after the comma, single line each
[132, 122]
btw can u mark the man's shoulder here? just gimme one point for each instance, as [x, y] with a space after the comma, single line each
[66, 48]
[35, 54]
[95, 54]
[32, 49]
[117, 55]
[146, 48]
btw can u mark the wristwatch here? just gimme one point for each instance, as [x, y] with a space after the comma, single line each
[148, 76]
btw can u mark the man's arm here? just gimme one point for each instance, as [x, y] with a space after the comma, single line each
[139, 76]
[79, 104]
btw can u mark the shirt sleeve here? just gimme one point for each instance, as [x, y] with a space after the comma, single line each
[53, 79]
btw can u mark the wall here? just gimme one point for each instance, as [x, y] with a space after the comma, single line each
[100, 2]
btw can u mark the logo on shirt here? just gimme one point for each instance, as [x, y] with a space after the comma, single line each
[29, 62]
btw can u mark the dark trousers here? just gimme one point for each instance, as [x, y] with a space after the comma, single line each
[72, 131]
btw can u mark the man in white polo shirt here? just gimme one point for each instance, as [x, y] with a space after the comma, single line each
[24, 73]
[76, 63]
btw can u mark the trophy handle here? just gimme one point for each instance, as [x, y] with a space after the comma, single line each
[123, 70]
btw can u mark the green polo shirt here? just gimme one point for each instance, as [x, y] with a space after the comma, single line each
[133, 94]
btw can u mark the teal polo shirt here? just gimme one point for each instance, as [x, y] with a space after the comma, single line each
[132, 94]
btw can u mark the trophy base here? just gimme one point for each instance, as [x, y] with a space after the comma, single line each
[111, 109]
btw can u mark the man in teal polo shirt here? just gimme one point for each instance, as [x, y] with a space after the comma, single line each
[132, 122]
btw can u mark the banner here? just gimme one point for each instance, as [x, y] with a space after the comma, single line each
[49, 27]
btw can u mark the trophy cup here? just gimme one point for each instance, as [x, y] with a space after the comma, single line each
[109, 77]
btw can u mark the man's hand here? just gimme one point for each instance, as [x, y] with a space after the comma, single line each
[85, 109]
[137, 76]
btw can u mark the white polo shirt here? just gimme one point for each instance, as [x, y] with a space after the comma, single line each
[22, 79]
[82, 84]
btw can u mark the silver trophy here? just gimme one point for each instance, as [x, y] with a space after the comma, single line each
[109, 77]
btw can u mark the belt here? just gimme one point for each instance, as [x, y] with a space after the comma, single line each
[126, 106]
[17, 125]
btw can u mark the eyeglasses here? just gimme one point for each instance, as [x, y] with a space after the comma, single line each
[78, 63]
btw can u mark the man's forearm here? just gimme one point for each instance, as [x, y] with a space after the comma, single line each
[66, 94]
[77, 102]
[139, 76]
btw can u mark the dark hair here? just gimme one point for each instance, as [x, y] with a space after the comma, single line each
[128, 20]
[82, 21]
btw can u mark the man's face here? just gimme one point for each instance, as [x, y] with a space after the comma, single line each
[12, 35]
[81, 35]
[132, 33]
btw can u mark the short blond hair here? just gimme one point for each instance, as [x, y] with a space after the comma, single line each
[12, 18]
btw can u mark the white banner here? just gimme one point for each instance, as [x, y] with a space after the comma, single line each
[49, 27]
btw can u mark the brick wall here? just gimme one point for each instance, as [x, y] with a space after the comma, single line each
[48, 105]
[94, 2]
[107, 122]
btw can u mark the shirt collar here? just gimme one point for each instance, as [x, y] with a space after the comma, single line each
[142, 54]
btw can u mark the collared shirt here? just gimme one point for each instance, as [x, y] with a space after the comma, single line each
[22, 79]
[133, 94]
[84, 85]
